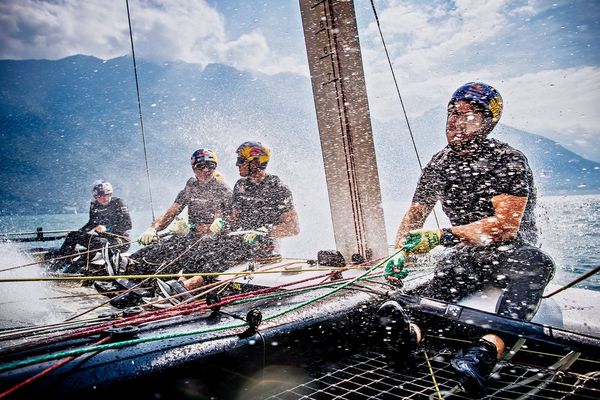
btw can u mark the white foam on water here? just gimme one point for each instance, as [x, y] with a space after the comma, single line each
[22, 303]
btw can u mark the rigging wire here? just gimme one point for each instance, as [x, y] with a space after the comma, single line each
[137, 285]
[137, 89]
[76, 254]
[78, 278]
[573, 282]
[181, 309]
[412, 138]
[93, 348]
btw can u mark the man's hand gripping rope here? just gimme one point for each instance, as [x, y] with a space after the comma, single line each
[418, 241]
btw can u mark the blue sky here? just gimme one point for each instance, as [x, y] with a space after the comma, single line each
[542, 55]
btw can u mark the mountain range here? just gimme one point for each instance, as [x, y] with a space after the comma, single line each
[67, 122]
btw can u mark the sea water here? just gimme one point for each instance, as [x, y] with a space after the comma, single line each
[569, 230]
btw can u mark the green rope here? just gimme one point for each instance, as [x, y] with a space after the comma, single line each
[109, 346]
[342, 286]
[296, 291]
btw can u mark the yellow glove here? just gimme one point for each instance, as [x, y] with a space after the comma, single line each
[147, 237]
[100, 229]
[251, 237]
[180, 227]
[422, 240]
[218, 225]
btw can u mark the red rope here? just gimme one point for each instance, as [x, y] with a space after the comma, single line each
[151, 316]
[45, 372]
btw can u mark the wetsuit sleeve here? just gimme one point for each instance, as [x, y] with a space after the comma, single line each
[226, 200]
[516, 178]
[284, 199]
[235, 198]
[91, 221]
[428, 187]
[183, 198]
[121, 220]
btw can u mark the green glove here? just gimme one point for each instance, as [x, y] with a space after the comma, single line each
[252, 236]
[218, 225]
[422, 240]
[394, 266]
[148, 236]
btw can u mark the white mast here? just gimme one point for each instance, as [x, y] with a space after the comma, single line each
[342, 107]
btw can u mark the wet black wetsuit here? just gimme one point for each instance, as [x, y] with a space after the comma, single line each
[205, 200]
[260, 204]
[465, 186]
[257, 205]
[114, 216]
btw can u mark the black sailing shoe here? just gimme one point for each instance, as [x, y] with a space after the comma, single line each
[397, 334]
[473, 366]
[172, 288]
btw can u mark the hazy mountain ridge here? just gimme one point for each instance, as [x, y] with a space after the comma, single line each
[65, 123]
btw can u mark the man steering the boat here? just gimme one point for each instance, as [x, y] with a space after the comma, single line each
[206, 197]
[262, 211]
[108, 225]
[487, 191]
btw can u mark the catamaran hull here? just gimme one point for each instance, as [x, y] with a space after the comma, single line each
[339, 324]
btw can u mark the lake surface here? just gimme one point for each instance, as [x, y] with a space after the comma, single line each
[569, 231]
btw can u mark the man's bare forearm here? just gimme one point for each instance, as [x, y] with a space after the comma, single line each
[288, 227]
[167, 217]
[413, 219]
[503, 226]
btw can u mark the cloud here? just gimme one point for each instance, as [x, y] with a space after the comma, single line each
[178, 30]
[191, 31]
[251, 52]
[432, 33]
[436, 47]
[424, 42]
[560, 104]
[531, 8]
[32, 29]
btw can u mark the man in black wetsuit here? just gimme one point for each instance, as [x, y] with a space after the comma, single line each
[206, 196]
[109, 224]
[487, 191]
[262, 211]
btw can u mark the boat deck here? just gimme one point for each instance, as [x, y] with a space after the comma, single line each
[369, 375]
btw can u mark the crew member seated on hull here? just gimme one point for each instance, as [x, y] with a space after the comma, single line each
[108, 225]
[487, 191]
[206, 196]
[262, 204]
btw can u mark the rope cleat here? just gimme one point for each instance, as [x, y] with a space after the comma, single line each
[253, 319]
[120, 333]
